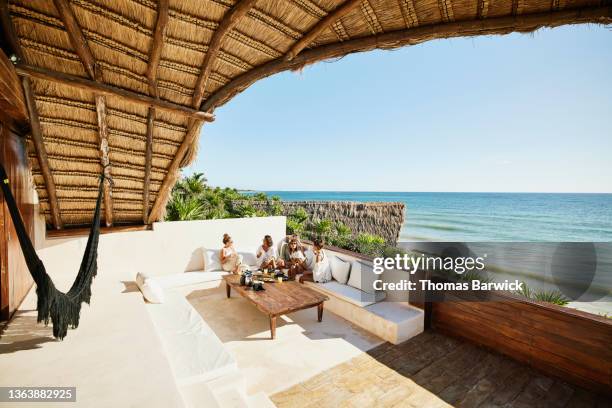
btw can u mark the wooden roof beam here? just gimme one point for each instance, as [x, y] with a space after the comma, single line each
[323, 24]
[156, 48]
[81, 46]
[77, 39]
[109, 90]
[410, 36]
[159, 36]
[36, 132]
[229, 21]
[172, 173]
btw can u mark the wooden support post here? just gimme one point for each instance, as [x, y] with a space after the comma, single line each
[155, 56]
[148, 158]
[104, 158]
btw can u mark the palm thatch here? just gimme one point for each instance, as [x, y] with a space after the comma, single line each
[164, 49]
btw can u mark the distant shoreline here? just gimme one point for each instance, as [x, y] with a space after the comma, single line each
[487, 217]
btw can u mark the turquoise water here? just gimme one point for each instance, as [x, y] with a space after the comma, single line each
[489, 216]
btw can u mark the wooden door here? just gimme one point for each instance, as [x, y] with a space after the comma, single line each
[4, 282]
[15, 279]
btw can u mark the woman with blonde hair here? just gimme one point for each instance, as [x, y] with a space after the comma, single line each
[267, 256]
[230, 260]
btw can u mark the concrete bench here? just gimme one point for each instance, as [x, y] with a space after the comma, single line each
[206, 374]
[394, 322]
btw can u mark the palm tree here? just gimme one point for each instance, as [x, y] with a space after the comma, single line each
[181, 208]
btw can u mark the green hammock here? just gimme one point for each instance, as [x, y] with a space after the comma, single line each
[62, 308]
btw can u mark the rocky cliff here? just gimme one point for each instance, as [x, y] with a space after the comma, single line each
[380, 218]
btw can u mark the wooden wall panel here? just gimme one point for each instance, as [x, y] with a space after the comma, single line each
[562, 342]
[12, 102]
[16, 280]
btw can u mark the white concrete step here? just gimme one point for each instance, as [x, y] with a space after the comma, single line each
[260, 400]
[230, 398]
[232, 380]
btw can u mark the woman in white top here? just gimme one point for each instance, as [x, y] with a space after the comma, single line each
[316, 263]
[230, 260]
[266, 255]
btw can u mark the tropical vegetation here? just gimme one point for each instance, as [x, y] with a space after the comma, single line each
[193, 199]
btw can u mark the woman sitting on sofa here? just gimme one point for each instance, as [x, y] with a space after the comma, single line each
[230, 260]
[296, 260]
[266, 255]
[316, 264]
[285, 255]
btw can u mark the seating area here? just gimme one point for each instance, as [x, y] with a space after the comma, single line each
[204, 369]
[197, 347]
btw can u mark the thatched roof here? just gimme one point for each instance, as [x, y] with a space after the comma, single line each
[155, 49]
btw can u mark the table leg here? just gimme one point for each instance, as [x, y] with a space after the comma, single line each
[320, 311]
[273, 327]
[228, 289]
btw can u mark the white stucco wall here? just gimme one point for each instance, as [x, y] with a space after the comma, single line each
[171, 247]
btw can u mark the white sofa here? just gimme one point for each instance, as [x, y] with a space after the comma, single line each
[206, 374]
[393, 321]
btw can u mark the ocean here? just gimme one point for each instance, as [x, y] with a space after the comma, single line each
[486, 217]
[518, 231]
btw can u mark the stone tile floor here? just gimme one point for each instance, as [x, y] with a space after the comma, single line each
[433, 370]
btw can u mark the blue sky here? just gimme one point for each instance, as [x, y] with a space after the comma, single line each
[521, 113]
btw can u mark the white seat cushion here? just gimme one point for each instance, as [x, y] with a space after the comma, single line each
[351, 294]
[194, 351]
[176, 280]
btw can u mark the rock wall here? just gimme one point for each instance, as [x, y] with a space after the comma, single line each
[380, 218]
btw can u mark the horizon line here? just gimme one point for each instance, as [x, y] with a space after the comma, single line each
[417, 192]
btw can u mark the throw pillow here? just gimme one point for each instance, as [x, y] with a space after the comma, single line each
[211, 260]
[340, 269]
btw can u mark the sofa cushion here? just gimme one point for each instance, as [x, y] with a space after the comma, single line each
[211, 259]
[350, 294]
[176, 280]
[339, 269]
[362, 277]
[194, 351]
[248, 258]
[150, 289]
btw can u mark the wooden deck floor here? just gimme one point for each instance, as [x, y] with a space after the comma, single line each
[433, 370]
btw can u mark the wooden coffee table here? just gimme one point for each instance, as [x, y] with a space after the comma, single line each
[278, 298]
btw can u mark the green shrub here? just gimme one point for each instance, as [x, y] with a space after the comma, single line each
[369, 244]
[294, 227]
[549, 296]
